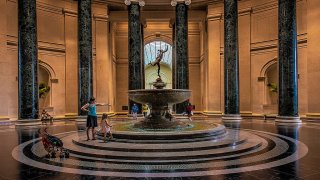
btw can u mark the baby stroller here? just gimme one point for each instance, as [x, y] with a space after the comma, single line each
[52, 145]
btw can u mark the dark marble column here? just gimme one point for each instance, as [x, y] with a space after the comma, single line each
[28, 60]
[173, 26]
[231, 59]
[288, 83]
[181, 46]
[142, 56]
[135, 49]
[135, 55]
[85, 53]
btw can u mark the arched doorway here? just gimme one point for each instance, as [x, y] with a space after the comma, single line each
[45, 76]
[270, 74]
[271, 84]
[150, 54]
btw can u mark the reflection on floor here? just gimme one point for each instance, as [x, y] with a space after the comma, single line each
[256, 150]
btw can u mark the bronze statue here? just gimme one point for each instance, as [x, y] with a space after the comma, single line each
[159, 58]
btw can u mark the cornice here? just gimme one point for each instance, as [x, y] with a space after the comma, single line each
[69, 12]
[101, 17]
[214, 17]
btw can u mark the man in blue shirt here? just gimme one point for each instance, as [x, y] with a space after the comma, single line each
[134, 111]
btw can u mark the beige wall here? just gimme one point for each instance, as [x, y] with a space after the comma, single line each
[258, 34]
[58, 50]
[313, 57]
[5, 66]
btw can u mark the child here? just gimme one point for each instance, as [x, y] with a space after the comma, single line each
[91, 108]
[105, 127]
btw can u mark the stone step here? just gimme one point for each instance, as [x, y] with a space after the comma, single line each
[150, 151]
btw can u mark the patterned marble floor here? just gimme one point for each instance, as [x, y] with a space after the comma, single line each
[257, 150]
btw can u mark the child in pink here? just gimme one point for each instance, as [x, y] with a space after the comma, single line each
[105, 127]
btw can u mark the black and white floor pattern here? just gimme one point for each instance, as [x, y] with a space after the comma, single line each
[235, 152]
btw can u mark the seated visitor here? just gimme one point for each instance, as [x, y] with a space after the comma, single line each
[105, 127]
[45, 116]
[168, 114]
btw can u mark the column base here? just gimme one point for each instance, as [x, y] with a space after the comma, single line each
[231, 118]
[28, 122]
[287, 120]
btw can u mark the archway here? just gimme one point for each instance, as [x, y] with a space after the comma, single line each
[270, 74]
[150, 54]
[45, 75]
[271, 85]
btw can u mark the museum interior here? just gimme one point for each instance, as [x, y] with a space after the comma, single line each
[159, 89]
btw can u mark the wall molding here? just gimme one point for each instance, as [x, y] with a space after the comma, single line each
[268, 6]
[49, 8]
[70, 12]
[302, 40]
[42, 45]
[101, 17]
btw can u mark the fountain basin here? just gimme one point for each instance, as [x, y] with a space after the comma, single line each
[159, 97]
[159, 101]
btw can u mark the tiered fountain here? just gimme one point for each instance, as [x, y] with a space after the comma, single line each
[159, 101]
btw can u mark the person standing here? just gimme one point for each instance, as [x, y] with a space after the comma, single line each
[91, 108]
[134, 111]
[145, 109]
[189, 111]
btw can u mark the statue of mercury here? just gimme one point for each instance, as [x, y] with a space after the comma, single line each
[159, 58]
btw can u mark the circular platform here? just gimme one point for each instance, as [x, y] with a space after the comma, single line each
[127, 131]
[191, 154]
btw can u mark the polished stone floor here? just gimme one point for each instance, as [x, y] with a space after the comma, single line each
[255, 149]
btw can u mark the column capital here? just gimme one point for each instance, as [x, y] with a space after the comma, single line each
[141, 2]
[175, 2]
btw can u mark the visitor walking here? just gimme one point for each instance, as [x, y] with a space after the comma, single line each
[134, 111]
[91, 108]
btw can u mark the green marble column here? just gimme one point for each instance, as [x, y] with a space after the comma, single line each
[231, 61]
[181, 54]
[288, 75]
[135, 48]
[27, 60]
[85, 53]
[173, 56]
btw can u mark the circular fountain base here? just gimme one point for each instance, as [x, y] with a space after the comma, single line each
[136, 131]
[162, 125]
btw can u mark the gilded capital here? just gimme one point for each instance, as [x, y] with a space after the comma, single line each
[175, 2]
[141, 2]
